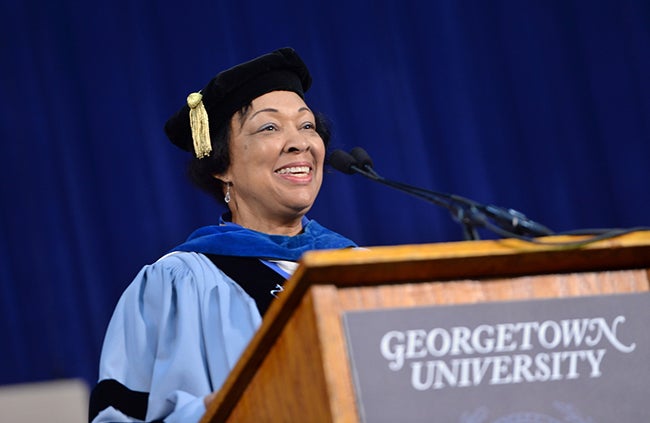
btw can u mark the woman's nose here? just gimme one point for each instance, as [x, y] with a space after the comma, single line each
[296, 143]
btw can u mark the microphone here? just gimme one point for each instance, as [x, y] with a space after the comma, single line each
[469, 213]
[363, 159]
[343, 162]
[347, 163]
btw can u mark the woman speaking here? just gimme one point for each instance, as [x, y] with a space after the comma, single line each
[183, 322]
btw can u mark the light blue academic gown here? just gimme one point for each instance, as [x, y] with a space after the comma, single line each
[180, 327]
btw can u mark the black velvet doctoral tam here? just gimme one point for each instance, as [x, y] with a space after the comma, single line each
[232, 89]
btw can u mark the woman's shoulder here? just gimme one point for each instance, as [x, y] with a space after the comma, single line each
[182, 268]
[181, 259]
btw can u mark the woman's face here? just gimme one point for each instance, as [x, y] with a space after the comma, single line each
[276, 163]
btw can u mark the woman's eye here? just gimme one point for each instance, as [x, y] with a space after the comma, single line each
[268, 127]
[308, 125]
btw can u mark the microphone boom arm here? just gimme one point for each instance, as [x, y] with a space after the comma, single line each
[470, 214]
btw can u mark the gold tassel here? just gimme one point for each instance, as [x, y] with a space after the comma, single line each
[200, 126]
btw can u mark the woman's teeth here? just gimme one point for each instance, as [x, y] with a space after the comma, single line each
[293, 170]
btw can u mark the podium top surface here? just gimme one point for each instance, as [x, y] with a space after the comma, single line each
[473, 259]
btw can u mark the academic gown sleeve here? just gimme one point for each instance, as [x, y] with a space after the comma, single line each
[176, 333]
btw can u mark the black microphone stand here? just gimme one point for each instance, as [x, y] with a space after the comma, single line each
[469, 218]
[470, 214]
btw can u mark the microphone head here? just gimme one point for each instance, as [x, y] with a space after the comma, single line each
[342, 161]
[362, 157]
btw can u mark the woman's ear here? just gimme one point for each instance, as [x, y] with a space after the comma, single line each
[221, 178]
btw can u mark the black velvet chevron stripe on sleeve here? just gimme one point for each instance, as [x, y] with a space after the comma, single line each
[111, 393]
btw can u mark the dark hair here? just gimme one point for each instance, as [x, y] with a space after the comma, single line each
[201, 171]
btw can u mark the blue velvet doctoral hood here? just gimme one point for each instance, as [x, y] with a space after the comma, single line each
[230, 239]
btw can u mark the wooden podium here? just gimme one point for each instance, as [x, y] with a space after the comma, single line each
[296, 368]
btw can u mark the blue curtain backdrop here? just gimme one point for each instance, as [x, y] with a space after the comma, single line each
[543, 106]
